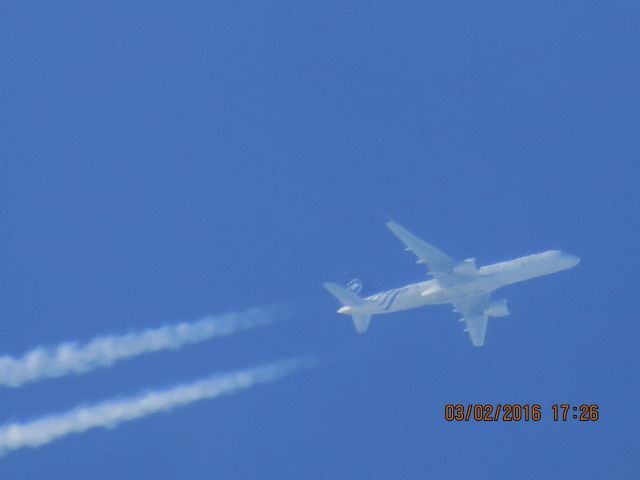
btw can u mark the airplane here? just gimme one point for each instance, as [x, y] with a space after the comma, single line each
[459, 283]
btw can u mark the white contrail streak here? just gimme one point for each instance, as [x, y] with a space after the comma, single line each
[113, 412]
[73, 358]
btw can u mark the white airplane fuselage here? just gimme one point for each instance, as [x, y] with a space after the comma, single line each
[483, 280]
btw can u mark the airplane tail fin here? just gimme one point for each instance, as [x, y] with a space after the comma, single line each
[350, 299]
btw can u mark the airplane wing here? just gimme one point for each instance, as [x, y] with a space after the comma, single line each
[472, 309]
[477, 329]
[436, 261]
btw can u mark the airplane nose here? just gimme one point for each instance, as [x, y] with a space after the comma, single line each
[572, 260]
[346, 309]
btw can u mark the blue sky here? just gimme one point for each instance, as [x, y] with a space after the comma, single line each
[162, 161]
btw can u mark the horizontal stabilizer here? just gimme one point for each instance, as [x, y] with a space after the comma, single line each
[361, 322]
[347, 297]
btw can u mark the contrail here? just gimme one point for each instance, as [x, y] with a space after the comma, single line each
[113, 412]
[73, 358]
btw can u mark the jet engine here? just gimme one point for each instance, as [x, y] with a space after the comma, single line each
[498, 308]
